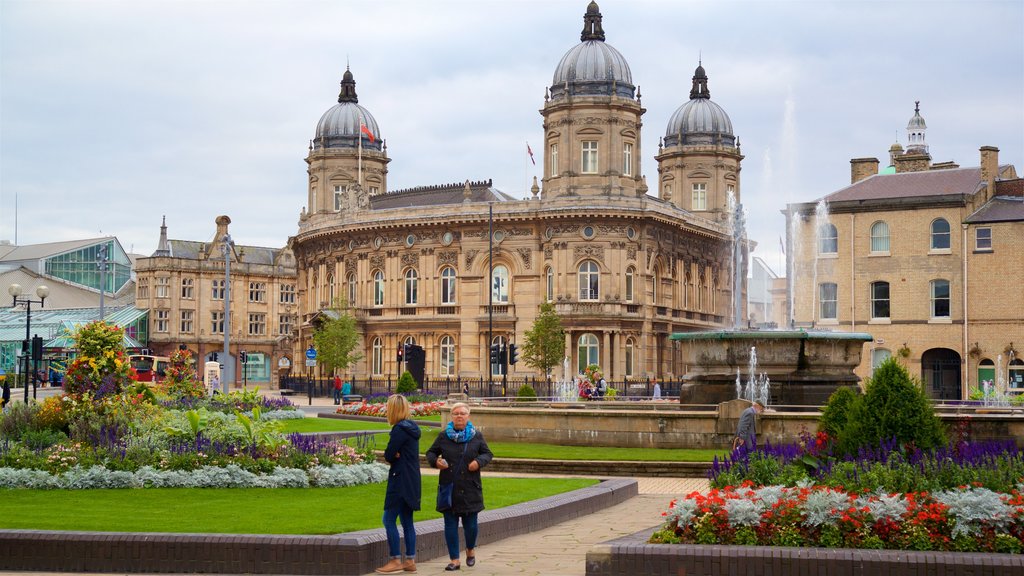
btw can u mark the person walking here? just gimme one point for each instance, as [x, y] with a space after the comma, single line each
[337, 389]
[746, 433]
[459, 452]
[403, 491]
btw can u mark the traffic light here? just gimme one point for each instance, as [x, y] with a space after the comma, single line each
[215, 356]
[513, 354]
[401, 352]
[243, 356]
[406, 350]
[495, 354]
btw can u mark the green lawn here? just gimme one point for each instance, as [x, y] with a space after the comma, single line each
[240, 510]
[306, 425]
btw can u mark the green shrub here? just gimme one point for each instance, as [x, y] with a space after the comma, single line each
[406, 383]
[42, 439]
[894, 407]
[526, 393]
[18, 418]
[837, 411]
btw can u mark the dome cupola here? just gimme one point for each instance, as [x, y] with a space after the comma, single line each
[346, 123]
[592, 67]
[916, 128]
[700, 121]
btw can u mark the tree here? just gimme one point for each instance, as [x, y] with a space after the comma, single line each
[545, 341]
[336, 338]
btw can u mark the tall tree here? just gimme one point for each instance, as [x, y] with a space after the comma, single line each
[336, 338]
[545, 341]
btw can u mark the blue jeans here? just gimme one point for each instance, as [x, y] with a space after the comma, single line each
[451, 532]
[403, 512]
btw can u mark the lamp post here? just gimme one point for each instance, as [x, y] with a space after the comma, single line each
[229, 365]
[101, 264]
[42, 292]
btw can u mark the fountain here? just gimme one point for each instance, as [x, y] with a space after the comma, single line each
[995, 394]
[565, 390]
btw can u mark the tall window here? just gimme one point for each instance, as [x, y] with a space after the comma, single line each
[330, 289]
[377, 364]
[940, 298]
[448, 284]
[700, 196]
[499, 285]
[257, 291]
[411, 285]
[447, 356]
[217, 287]
[940, 234]
[553, 155]
[730, 190]
[879, 299]
[828, 239]
[879, 355]
[982, 241]
[284, 324]
[879, 237]
[627, 159]
[351, 281]
[378, 288]
[549, 284]
[187, 320]
[142, 288]
[589, 281]
[216, 322]
[187, 288]
[163, 287]
[499, 368]
[654, 288]
[339, 198]
[287, 293]
[630, 274]
[589, 157]
[587, 350]
[257, 324]
[667, 191]
[630, 352]
[827, 296]
[162, 320]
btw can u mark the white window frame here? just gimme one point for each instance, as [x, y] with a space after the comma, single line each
[500, 284]
[187, 324]
[699, 197]
[377, 355]
[630, 281]
[876, 301]
[217, 322]
[936, 235]
[880, 237]
[983, 239]
[378, 288]
[553, 155]
[588, 157]
[447, 352]
[449, 285]
[588, 351]
[627, 159]
[828, 301]
[828, 239]
[411, 287]
[589, 277]
[934, 298]
[339, 197]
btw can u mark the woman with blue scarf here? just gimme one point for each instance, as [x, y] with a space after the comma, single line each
[459, 453]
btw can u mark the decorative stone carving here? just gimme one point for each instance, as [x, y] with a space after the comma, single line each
[377, 261]
[631, 253]
[410, 259]
[448, 257]
[526, 254]
[350, 264]
[589, 251]
[470, 256]
[548, 252]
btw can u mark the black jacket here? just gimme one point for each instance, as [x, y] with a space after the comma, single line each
[468, 495]
[403, 453]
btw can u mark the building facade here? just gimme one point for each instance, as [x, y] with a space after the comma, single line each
[184, 288]
[926, 257]
[457, 267]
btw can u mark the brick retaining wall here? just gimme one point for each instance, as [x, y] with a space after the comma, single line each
[350, 553]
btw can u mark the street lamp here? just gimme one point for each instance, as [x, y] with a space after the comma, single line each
[229, 366]
[42, 292]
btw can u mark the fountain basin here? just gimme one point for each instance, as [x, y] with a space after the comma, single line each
[805, 367]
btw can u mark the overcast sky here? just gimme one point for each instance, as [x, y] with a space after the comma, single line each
[116, 113]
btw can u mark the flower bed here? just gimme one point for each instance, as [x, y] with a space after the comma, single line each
[967, 519]
[379, 410]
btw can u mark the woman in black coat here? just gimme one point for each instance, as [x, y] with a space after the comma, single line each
[459, 452]
[403, 493]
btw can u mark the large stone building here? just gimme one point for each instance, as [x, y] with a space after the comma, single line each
[926, 257]
[182, 286]
[624, 269]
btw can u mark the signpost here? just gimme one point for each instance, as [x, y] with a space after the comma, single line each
[310, 364]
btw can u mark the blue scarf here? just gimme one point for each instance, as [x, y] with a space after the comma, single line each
[460, 436]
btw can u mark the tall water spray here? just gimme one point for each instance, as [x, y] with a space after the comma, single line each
[820, 222]
[758, 386]
[739, 244]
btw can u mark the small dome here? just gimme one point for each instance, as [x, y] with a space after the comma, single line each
[700, 121]
[916, 121]
[592, 67]
[342, 125]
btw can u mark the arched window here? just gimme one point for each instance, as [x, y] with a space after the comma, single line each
[351, 288]
[940, 234]
[589, 281]
[410, 340]
[447, 348]
[330, 289]
[377, 367]
[1016, 375]
[314, 289]
[630, 352]
[828, 239]
[630, 277]
[411, 285]
[549, 277]
[499, 284]
[588, 351]
[448, 285]
[879, 355]
[499, 368]
[378, 288]
[879, 237]
[654, 288]
[940, 298]
[827, 292]
[879, 299]
[986, 374]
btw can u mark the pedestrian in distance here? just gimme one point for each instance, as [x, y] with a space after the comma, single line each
[6, 398]
[746, 432]
[403, 492]
[459, 452]
[337, 389]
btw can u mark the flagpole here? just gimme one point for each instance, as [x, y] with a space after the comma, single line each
[526, 174]
[360, 136]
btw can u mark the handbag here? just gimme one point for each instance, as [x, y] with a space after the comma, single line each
[444, 491]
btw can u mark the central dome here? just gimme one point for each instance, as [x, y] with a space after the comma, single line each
[342, 126]
[592, 67]
[700, 121]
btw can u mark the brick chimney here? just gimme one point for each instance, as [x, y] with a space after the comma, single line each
[989, 169]
[861, 168]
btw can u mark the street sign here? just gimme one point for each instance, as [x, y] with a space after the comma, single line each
[310, 363]
[311, 353]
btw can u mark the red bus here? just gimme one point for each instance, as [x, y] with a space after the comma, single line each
[150, 368]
